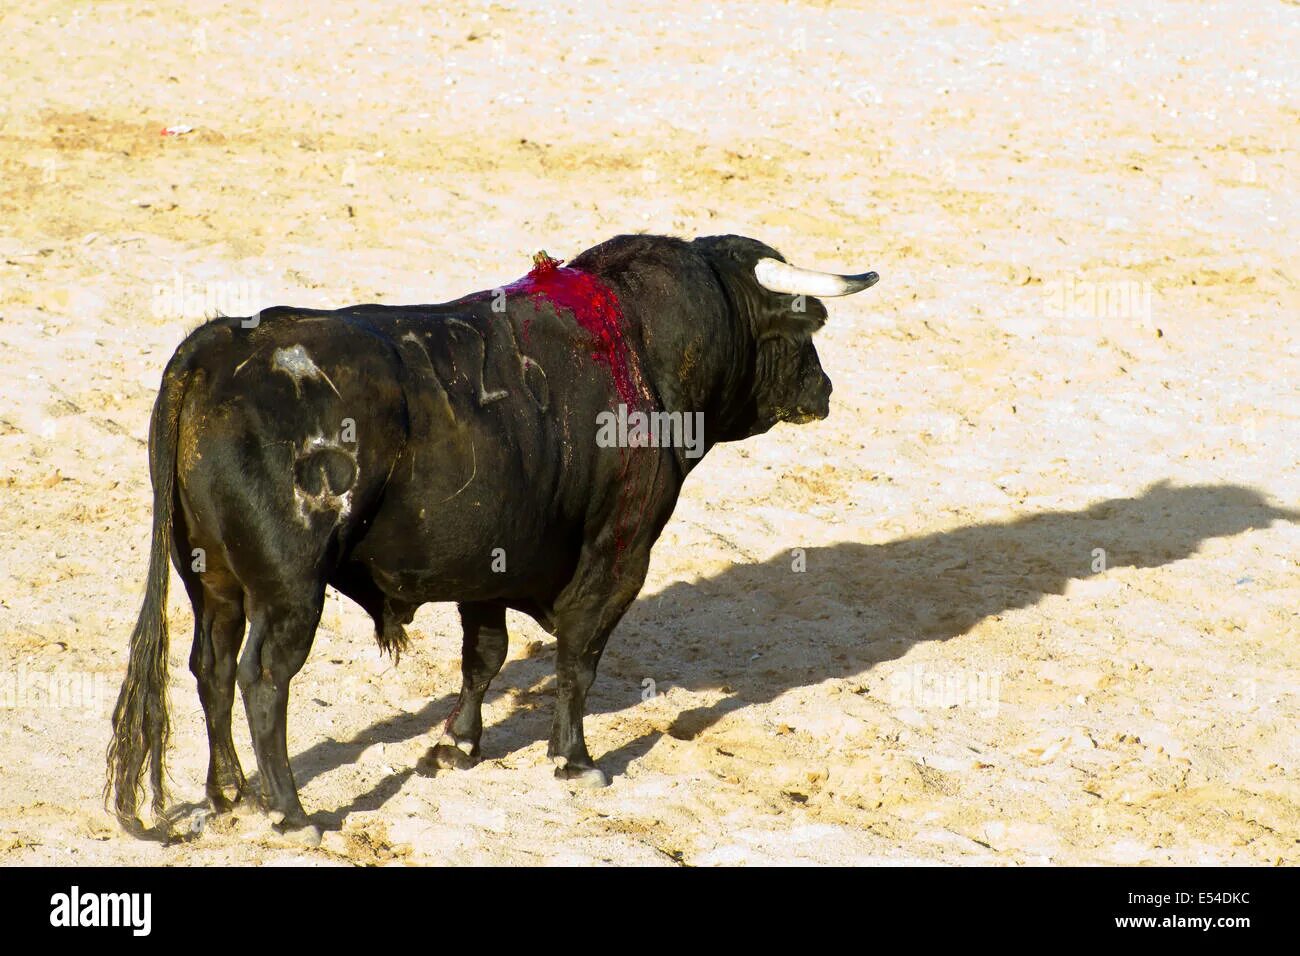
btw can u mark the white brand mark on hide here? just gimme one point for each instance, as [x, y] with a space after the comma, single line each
[298, 365]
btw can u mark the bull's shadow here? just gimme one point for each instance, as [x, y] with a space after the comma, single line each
[854, 606]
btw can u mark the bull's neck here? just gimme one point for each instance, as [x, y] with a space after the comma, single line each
[697, 363]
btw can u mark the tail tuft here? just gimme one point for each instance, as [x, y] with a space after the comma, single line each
[141, 726]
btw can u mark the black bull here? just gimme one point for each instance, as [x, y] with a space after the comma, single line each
[412, 454]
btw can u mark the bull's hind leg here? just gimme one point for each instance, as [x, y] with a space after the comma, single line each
[482, 654]
[278, 642]
[218, 604]
[218, 632]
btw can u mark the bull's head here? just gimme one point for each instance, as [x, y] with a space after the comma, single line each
[781, 306]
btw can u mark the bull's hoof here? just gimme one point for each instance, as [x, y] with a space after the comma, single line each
[585, 778]
[308, 836]
[296, 829]
[448, 754]
[224, 799]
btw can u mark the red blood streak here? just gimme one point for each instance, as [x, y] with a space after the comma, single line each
[595, 307]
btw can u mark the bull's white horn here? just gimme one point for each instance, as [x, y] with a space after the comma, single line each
[777, 276]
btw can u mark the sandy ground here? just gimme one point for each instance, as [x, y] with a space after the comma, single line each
[1050, 600]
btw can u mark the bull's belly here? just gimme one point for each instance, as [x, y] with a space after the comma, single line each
[471, 510]
[476, 549]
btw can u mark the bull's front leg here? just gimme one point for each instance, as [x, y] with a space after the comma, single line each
[483, 652]
[582, 630]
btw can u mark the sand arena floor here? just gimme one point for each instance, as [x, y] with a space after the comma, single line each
[1049, 610]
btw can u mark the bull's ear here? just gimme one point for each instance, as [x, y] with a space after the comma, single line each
[796, 315]
[733, 258]
[807, 312]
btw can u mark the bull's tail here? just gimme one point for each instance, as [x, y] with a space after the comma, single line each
[141, 726]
